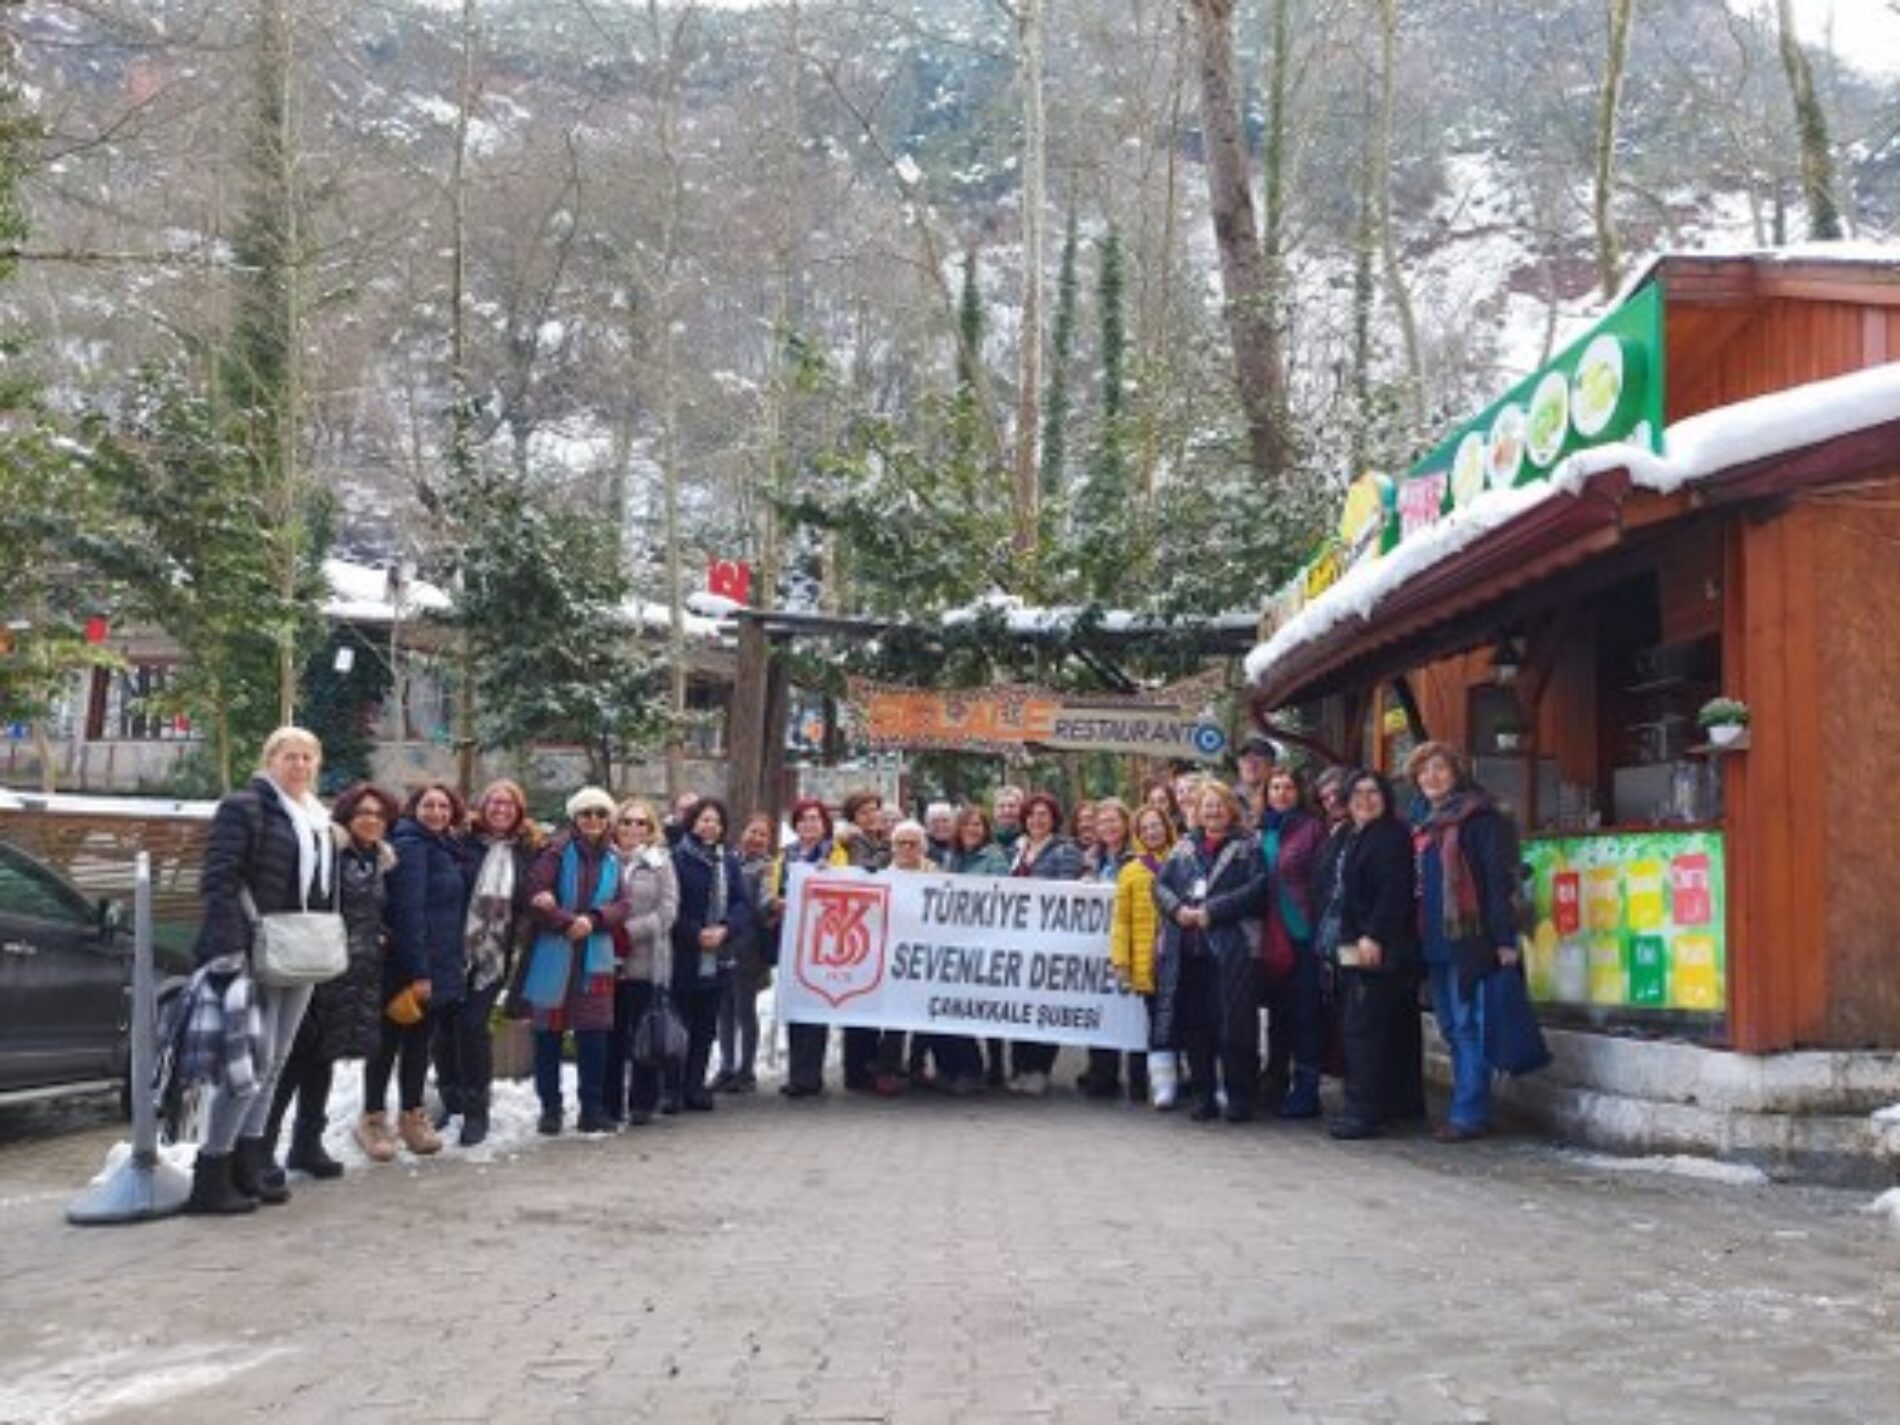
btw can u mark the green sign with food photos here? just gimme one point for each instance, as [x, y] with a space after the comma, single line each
[1629, 920]
[1605, 387]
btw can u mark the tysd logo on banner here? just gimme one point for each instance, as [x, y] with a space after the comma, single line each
[964, 955]
[844, 930]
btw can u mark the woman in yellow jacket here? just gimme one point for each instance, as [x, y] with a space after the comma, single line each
[1131, 949]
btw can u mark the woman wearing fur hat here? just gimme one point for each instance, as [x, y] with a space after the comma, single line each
[576, 901]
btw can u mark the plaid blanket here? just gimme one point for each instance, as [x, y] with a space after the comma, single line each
[220, 1027]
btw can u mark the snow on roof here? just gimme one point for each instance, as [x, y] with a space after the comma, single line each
[1699, 448]
[360, 594]
[1856, 252]
[1023, 619]
[67, 804]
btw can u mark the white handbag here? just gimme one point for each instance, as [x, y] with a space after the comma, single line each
[295, 947]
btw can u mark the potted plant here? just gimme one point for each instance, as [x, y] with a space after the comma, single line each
[1724, 719]
[1512, 735]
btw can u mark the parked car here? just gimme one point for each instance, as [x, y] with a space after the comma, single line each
[65, 985]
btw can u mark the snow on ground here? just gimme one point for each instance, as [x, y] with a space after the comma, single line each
[1887, 1205]
[98, 1378]
[1674, 1165]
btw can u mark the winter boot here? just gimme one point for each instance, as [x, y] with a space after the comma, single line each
[1302, 1095]
[1164, 1078]
[212, 1190]
[255, 1174]
[412, 1126]
[306, 1150]
[474, 1119]
[374, 1136]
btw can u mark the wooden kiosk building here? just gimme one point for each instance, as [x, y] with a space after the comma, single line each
[1714, 930]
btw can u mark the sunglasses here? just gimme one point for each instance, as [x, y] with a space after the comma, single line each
[634, 821]
[590, 814]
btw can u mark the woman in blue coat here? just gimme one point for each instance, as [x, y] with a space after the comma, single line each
[1467, 880]
[715, 910]
[1209, 892]
[428, 907]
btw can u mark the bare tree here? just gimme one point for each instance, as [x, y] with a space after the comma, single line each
[1029, 29]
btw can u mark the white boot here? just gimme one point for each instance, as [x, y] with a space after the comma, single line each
[1164, 1079]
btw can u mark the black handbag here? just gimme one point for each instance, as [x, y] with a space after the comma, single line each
[659, 1036]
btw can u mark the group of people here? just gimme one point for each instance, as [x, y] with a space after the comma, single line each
[1320, 906]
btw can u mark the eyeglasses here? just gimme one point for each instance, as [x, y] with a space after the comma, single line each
[590, 814]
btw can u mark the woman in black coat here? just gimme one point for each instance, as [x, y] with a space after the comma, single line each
[714, 908]
[269, 851]
[1211, 888]
[1371, 931]
[345, 1016]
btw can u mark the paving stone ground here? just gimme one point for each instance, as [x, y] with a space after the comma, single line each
[929, 1260]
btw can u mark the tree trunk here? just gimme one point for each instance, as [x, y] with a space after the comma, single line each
[1029, 19]
[1810, 122]
[1388, 240]
[1609, 101]
[461, 453]
[1250, 302]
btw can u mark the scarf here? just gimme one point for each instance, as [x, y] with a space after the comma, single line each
[1026, 855]
[316, 852]
[546, 984]
[1459, 912]
[718, 897]
[491, 913]
[1291, 916]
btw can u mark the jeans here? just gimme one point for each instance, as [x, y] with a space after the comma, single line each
[230, 1116]
[305, 1077]
[590, 1054]
[1461, 1022]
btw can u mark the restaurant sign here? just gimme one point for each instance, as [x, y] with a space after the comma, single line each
[1605, 387]
[1629, 921]
[1012, 718]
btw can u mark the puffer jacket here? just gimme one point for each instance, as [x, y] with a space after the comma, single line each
[251, 844]
[1057, 859]
[1233, 897]
[348, 1011]
[1136, 925]
[652, 893]
[428, 911]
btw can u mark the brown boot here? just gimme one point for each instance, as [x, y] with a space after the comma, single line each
[417, 1135]
[373, 1135]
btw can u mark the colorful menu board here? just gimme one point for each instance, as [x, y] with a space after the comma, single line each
[1629, 921]
[1605, 387]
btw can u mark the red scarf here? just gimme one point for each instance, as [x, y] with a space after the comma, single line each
[1460, 914]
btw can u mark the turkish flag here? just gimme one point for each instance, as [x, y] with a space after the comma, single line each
[730, 579]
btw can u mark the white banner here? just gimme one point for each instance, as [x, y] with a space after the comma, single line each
[989, 956]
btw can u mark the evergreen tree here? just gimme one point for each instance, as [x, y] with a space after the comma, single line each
[542, 604]
[1108, 519]
[184, 542]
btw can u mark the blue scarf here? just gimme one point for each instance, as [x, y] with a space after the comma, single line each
[546, 985]
[1297, 925]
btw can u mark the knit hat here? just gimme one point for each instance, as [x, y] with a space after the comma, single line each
[589, 799]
